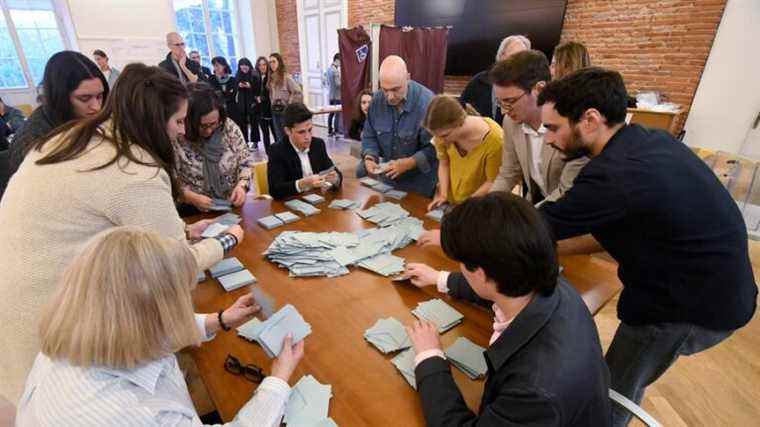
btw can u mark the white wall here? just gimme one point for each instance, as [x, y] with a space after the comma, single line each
[728, 97]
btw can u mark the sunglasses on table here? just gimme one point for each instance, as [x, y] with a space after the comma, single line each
[250, 372]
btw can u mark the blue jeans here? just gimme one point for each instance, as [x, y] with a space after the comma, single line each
[639, 355]
[278, 125]
[334, 119]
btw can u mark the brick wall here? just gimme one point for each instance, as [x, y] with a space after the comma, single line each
[656, 44]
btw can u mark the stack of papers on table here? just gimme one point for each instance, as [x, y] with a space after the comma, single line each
[468, 357]
[271, 333]
[388, 335]
[270, 222]
[214, 229]
[369, 182]
[228, 219]
[395, 194]
[384, 214]
[220, 205]
[231, 274]
[443, 315]
[344, 204]
[313, 198]
[303, 207]
[384, 264]
[309, 404]
[382, 187]
[404, 362]
[287, 217]
[225, 266]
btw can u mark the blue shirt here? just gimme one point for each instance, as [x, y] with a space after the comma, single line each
[390, 134]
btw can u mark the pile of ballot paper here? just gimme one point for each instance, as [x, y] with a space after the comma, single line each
[307, 254]
[231, 274]
[271, 333]
[404, 362]
[344, 204]
[220, 225]
[313, 198]
[437, 311]
[395, 194]
[375, 184]
[388, 335]
[384, 214]
[303, 207]
[309, 404]
[220, 205]
[468, 357]
[278, 219]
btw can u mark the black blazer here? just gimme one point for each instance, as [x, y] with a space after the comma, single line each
[545, 369]
[191, 65]
[284, 167]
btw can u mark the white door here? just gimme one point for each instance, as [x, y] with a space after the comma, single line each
[318, 24]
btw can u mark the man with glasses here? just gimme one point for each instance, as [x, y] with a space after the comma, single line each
[393, 133]
[177, 62]
[517, 82]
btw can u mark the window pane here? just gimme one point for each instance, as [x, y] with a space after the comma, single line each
[39, 37]
[221, 24]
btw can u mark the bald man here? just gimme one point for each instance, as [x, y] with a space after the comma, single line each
[177, 62]
[393, 133]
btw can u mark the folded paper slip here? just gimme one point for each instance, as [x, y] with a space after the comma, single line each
[236, 280]
[225, 266]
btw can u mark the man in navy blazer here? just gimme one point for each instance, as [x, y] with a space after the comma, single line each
[299, 163]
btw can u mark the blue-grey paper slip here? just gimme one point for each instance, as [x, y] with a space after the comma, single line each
[388, 335]
[369, 182]
[228, 219]
[395, 194]
[236, 280]
[225, 266]
[313, 198]
[382, 187]
[287, 217]
[404, 362]
[468, 357]
[270, 222]
[200, 277]
[221, 205]
[286, 321]
[435, 214]
[264, 300]
[441, 314]
[214, 229]
[309, 404]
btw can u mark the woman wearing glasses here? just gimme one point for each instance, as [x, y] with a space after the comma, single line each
[283, 90]
[213, 158]
[86, 375]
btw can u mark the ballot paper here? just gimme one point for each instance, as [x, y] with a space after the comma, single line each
[236, 280]
[384, 214]
[395, 194]
[441, 314]
[313, 198]
[309, 404]
[264, 300]
[384, 264]
[369, 182]
[388, 335]
[200, 277]
[271, 333]
[436, 214]
[468, 357]
[220, 205]
[214, 229]
[343, 204]
[228, 219]
[404, 362]
[270, 222]
[225, 266]
[287, 217]
[382, 187]
[303, 207]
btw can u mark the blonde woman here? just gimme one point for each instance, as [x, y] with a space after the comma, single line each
[468, 148]
[569, 57]
[114, 362]
[283, 90]
[113, 169]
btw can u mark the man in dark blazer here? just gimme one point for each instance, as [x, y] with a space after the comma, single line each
[177, 63]
[545, 364]
[299, 163]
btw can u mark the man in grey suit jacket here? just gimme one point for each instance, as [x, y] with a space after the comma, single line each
[518, 81]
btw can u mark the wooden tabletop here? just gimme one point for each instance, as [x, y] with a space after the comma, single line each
[367, 388]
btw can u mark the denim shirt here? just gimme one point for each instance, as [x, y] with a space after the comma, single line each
[391, 134]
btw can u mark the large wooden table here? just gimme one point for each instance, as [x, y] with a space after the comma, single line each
[367, 388]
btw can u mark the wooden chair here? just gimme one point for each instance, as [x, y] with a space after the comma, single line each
[262, 182]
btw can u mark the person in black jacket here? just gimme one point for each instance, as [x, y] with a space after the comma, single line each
[299, 163]
[177, 63]
[225, 85]
[205, 74]
[653, 205]
[248, 85]
[263, 109]
[544, 358]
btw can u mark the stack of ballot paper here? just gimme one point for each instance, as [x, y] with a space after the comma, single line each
[384, 214]
[220, 205]
[313, 198]
[228, 219]
[369, 182]
[231, 274]
[287, 217]
[382, 187]
[344, 204]
[468, 357]
[395, 194]
[436, 214]
[225, 266]
[270, 222]
[309, 404]
[388, 335]
[383, 264]
[303, 207]
[214, 229]
[443, 315]
[404, 362]
[271, 332]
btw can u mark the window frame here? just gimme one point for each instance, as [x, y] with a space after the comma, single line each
[240, 48]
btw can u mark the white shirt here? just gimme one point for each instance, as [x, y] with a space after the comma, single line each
[303, 156]
[536, 142]
[59, 394]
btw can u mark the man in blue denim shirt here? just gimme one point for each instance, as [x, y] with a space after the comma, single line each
[393, 132]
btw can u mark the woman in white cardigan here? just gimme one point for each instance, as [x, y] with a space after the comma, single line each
[113, 169]
[86, 375]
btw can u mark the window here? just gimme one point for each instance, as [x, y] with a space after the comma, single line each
[29, 36]
[210, 27]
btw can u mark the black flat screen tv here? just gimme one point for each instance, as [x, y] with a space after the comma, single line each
[478, 26]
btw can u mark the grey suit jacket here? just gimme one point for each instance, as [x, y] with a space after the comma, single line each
[516, 162]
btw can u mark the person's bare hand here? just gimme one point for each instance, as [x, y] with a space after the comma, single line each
[284, 365]
[421, 275]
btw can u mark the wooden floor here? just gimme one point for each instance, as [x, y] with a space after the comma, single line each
[718, 387]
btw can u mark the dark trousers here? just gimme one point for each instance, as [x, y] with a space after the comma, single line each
[266, 126]
[278, 126]
[334, 119]
[639, 355]
[248, 124]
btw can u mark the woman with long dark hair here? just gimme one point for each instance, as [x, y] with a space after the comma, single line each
[112, 169]
[248, 86]
[283, 90]
[225, 84]
[360, 114]
[73, 87]
[263, 104]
